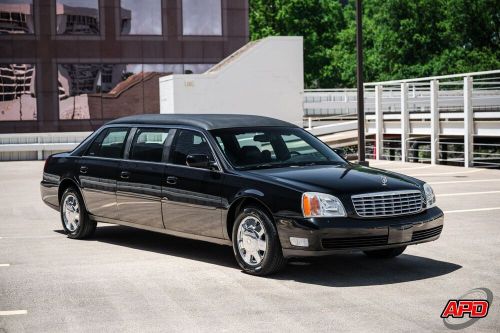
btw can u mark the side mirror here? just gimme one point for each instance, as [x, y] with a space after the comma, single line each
[341, 152]
[201, 161]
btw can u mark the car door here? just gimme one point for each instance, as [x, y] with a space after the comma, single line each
[192, 201]
[141, 173]
[98, 170]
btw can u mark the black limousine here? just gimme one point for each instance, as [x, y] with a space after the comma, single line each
[268, 188]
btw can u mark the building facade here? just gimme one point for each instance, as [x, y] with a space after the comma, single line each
[71, 65]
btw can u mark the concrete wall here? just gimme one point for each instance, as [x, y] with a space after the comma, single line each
[263, 78]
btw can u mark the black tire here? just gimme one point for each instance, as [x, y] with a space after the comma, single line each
[273, 260]
[86, 227]
[386, 253]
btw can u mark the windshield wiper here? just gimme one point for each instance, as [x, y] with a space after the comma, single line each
[290, 164]
[259, 166]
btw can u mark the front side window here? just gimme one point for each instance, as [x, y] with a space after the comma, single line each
[273, 147]
[148, 145]
[201, 17]
[109, 144]
[189, 142]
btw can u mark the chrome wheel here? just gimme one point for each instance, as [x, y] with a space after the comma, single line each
[252, 241]
[71, 213]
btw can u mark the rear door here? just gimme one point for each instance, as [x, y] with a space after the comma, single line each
[192, 201]
[140, 181]
[98, 171]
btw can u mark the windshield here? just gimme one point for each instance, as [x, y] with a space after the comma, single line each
[271, 147]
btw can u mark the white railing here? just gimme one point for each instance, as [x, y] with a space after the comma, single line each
[427, 114]
[32, 146]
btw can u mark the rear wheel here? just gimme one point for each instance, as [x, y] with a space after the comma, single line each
[74, 217]
[256, 244]
[386, 253]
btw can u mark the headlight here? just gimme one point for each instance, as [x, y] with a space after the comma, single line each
[321, 205]
[430, 198]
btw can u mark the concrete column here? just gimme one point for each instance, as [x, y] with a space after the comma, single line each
[405, 122]
[468, 123]
[379, 122]
[434, 121]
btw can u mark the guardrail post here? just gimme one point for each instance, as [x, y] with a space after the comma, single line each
[405, 121]
[468, 123]
[434, 121]
[379, 122]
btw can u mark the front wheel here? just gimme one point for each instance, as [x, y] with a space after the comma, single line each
[386, 253]
[74, 217]
[256, 244]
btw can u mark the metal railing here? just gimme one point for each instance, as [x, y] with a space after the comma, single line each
[448, 119]
[33, 146]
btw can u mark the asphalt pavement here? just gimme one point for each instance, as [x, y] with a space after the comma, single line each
[129, 280]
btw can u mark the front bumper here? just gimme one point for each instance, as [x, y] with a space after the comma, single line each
[329, 236]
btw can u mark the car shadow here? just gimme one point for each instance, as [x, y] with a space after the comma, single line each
[342, 270]
[356, 269]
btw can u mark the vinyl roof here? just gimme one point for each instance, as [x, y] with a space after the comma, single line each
[204, 121]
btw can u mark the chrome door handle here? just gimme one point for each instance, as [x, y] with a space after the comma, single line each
[83, 169]
[171, 180]
[125, 175]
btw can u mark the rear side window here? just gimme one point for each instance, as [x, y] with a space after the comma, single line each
[148, 145]
[109, 144]
[189, 142]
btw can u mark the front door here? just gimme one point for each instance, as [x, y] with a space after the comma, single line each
[98, 170]
[140, 178]
[192, 201]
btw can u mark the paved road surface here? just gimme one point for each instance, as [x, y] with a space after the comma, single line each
[130, 280]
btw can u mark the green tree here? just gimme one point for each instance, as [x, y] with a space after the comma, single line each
[402, 38]
[319, 21]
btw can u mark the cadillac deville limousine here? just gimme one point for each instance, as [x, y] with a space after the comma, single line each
[266, 187]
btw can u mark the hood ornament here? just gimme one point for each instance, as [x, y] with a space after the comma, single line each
[383, 179]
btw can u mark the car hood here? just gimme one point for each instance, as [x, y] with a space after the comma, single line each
[348, 179]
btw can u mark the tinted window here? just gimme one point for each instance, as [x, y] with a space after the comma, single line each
[17, 91]
[16, 17]
[273, 147]
[111, 145]
[189, 142]
[202, 17]
[140, 17]
[148, 145]
[77, 17]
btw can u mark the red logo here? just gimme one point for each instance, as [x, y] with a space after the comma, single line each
[460, 308]
[467, 309]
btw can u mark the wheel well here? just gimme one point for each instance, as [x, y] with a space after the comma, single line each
[63, 186]
[237, 207]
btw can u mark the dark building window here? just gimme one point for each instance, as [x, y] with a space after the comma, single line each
[77, 17]
[140, 17]
[17, 92]
[108, 91]
[201, 17]
[16, 17]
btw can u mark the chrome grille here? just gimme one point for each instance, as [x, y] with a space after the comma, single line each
[388, 203]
